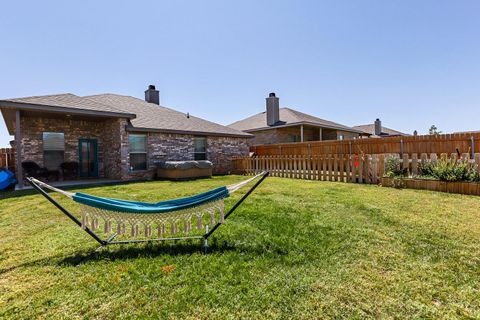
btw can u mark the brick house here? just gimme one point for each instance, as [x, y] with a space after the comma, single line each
[376, 130]
[114, 136]
[282, 125]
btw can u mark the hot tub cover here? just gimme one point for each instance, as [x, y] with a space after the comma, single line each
[201, 164]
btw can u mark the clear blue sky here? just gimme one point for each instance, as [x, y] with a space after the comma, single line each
[411, 63]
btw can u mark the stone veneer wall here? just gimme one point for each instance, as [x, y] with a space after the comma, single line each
[32, 137]
[113, 150]
[220, 151]
[178, 147]
[116, 151]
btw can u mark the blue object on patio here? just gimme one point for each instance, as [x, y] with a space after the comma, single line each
[7, 178]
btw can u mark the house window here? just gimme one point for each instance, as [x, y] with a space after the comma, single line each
[200, 152]
[294, 138]
[137, 144]
[341, 137]
[53, 149]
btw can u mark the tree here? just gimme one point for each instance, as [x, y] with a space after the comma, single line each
[434, 130]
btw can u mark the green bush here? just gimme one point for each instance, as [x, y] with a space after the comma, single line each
[446, 170]
[393, 167]
[443, 170]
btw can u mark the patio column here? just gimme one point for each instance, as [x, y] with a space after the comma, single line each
[320, 134]
[301, 133]
[18, 149]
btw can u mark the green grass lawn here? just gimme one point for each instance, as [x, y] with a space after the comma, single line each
[294, 250]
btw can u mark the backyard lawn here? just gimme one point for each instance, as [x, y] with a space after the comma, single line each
[294, 250]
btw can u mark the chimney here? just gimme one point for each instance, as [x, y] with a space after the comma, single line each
[273, 110]
[378, 127]
[152, 95]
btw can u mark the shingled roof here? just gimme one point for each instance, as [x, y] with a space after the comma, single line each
[152, 117]
[287, 117]
[370, 129]
[144, 116]
[66, 102]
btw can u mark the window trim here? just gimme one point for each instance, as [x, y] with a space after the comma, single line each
[199, 153]
[130, 167]
[44, 151]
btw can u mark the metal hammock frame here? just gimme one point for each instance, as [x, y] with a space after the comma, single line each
[37, 185]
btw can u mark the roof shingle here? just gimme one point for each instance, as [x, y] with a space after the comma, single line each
[66, 100]
[143, 115]
[153, 116]
[287, 117]
[370, 129]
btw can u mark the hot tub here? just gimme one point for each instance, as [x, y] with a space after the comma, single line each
[182, 170]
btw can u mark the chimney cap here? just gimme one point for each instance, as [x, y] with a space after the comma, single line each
[271, 94]
[378, 119]
[151, 87]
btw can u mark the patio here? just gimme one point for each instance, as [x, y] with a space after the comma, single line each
[75, 183]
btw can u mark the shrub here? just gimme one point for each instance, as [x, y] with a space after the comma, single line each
[393, 167]
[446, 170]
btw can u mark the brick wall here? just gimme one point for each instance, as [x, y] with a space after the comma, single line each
[32, 137]
[178, 147]
[113, 150]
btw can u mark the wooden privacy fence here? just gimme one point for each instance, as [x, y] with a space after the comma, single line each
[444, 143]
[338, 167]
[341, 168]
[7, 158]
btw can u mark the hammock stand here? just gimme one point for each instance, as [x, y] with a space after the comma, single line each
[37, 185]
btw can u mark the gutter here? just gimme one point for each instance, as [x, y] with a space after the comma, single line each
[186, 132]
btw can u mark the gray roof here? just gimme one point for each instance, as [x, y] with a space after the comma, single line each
[370, 129]
[144, 116]
[152, 117]
[288, 117]
[68, 101]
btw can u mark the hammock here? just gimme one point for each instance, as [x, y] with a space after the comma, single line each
[149, 219]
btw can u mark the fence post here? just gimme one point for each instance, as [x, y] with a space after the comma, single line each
[414, 164]
[472, 148]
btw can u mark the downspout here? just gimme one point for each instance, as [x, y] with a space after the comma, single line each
[18, 149]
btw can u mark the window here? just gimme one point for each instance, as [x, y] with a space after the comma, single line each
[53, 149]
[341, 137]
[200, 152]
[137, 144]
[294, 138]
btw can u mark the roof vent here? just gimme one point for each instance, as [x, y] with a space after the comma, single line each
[152, 95]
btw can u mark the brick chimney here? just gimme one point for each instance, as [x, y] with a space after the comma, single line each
[273, 109]
[378, 127]
[152, 95]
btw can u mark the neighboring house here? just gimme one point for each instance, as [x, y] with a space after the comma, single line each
[376, 130]
[115, 136]
[280, 125]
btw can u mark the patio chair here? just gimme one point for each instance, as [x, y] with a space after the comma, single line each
[69, 170]
[32, 169]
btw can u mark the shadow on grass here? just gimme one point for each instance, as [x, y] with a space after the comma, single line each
[135, 251]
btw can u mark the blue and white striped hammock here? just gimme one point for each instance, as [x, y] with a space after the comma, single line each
[163, 215]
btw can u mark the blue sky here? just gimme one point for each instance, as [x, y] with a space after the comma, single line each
[410, 63]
